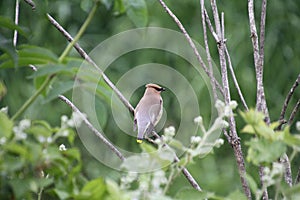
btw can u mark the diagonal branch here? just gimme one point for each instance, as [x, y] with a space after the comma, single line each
[92, 128]
[294, 112]
[88, 59]
[287, 100]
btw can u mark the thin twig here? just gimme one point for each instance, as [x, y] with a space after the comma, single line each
[32, 98]
[228, 59]
[17, 11]
[287, 99]
[294, 112]
[191, 43]
[92, 128]
[297, 180]
[88, 59]
[288, 173]
[31, 3]
[258, 63]
[80, 32]
[236, 84]
[208, 56]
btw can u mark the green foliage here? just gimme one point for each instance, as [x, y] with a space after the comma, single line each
[266, 149]
[39, 155]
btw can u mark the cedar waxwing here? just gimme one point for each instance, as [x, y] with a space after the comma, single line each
[148, 111]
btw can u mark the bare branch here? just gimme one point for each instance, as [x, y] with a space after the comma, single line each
[236, 84]
[294, 112]
[211, 28]
[288, 173]
[228, 59]
[17, 11]
[234, 139]
[261, 104]
[297, 180]
[31, 3]
[209, 60]
[288, 98]
[191, 43]
[92, 128]
[88, 59]
[262, 32]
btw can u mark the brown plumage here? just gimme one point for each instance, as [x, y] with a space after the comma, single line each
[148, 111]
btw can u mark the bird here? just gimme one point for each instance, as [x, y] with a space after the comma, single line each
[148, 111]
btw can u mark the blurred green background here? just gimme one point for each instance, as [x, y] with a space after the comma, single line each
[282, 67]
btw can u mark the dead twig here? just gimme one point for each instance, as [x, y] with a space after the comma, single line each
[92, 128]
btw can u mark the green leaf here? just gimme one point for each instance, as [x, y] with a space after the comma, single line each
[20, 187]
[236, 195]
[253, 117]
[61, 193]
[248, 129]
[264, 151]
[114, 192]
[147, 148]
[176, 144]
[292, 192]
[194, 194]
[8, 23]
[58, 88]
[289, 139]
[29, 55]
[72, 153]
[252, 184]
[40, 128]
[17, 149]
[6, 126]
[137, 12]
[94, 189]
[119, 7]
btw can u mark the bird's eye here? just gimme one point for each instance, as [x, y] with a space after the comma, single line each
[160, 89]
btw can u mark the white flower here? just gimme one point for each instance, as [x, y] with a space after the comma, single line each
[233, 104]
[219, 104]
[219, 142]
[224, 123]
[76, 119]
[62, 147]
[170, 131]
[195, 139]
[24, 124]
[2, 140]
[198, 120]
[298, 125]
[19, 134]
[4, 110]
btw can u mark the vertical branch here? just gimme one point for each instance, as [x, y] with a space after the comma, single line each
[258, 63]
[209, 60]
[17, 10]
[234, 139]
[228, 60]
